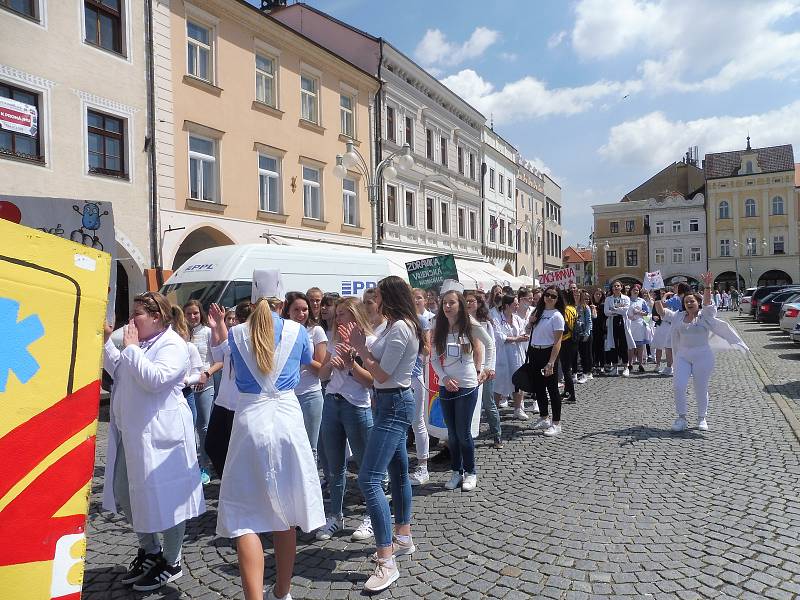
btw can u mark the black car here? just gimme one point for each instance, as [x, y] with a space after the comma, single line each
[769, 308]
[762, 292]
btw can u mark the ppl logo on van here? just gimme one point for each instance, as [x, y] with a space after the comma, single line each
[354, 288]
[194, 268]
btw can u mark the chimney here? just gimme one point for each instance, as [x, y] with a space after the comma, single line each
[269, 5]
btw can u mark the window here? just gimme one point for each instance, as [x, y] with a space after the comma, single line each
[676, 227]
[309, 100]
[631, 257]
[694, 255]
[443, 150]
[677, 255]
[462, 226]
[519, 240]
[750, 246]
[491, 178]
[749, 208]
[430, 222]
[527, 240]
[659, 256]
[391, 204]
[460, 160]
[26, 8]
[199, 51]
[473, 225]
[429, 143]
[630, 225]
[265, 80]
[391, 126]
[777, 205]
[471, 166]
[500, 184]
[346, 114]
[659, 226]
[694, 224]
[103, 20]
[269, 178]
[410, 208]
[724, 247]
[410, 132]
[492, 228]
[444, 209]
[17, 144]
[724, 210]
[510, 234]
[748, 166]
[106, 136]
[777, 244]
[350, 202]
[509, 191]
[202, 169]
[502, 231]
[611, 258]
[613, 225]
[312, 199]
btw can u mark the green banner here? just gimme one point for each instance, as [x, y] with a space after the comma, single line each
[430, 273]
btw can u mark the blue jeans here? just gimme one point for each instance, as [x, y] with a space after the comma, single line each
[200, 404]
[342, 422]
[311, 404]
[386, 448]
[457, 410]
[490, 409]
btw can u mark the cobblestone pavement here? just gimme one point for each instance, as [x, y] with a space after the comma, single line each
[617, 506]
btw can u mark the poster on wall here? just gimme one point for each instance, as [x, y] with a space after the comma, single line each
[430, 273]
[18, 117]
[561, 279]
[53, 295]
[88, 223]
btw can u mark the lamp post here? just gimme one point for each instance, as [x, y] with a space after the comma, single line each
[352, 159]
[751, 249]
[736, 245]
[594, 247]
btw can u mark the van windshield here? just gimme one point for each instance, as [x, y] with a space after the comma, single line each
[225, 293]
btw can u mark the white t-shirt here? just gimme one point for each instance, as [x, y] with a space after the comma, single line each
[228, 393]
[396, 349]
[544, 332]
[344, 384]
[309, 381]
[201, 337]
[195, 366]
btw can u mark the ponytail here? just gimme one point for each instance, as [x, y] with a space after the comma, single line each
[262, 330]
[179, 324]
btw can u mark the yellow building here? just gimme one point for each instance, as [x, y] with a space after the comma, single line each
[251, 116]
[752, 216]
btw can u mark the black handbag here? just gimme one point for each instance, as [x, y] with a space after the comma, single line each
[523, 377]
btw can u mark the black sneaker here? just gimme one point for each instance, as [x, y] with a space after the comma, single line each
[140, 566]
[641, 368]
[160, 575]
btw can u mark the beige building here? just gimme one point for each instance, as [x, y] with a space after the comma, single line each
[752, 216]
[530, 201]
[552, 230]
[88, 87]
[251, 116]
[621, 242]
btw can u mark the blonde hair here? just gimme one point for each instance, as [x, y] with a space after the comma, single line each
[356, 308]
[179, 324]
[262, 330]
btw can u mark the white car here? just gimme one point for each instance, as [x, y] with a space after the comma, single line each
[789, 316]
[744, 301]
[794, 334]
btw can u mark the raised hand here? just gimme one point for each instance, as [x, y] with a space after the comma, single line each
[707, 278]
[130, 335]
[108, 329]
[216, 315]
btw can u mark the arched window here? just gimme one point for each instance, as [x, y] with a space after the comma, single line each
[724, 210]
[749, 208]
[777, 205]
[748, 167]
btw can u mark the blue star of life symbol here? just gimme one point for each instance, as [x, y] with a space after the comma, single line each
[15, 337]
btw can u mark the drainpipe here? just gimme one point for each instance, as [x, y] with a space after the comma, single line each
[377, 220]
[155, 254]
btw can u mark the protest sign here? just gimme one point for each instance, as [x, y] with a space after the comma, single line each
[560, 279]
[430, 273]
[653, 281]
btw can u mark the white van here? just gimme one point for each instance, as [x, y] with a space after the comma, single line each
[224, 274]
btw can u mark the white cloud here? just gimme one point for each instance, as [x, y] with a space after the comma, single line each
[435, 49]
[509, 56]
[689, 47]
[653, 141]
[555, 40]
[530, 97]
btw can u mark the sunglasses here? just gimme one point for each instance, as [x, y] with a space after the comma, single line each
[553, 296]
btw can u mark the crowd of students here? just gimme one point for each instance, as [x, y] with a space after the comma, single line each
[306, 381]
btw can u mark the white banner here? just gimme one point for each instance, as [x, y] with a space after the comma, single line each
[560, 279]
[18, 117]
[653, 281]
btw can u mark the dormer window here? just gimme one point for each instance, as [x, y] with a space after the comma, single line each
[748, 166]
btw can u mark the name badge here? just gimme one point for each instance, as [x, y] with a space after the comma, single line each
[453, 350]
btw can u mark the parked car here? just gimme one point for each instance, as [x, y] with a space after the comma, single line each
[770, 306]
[744, 301]
[794, 334]
[761, 293]
[790, 314]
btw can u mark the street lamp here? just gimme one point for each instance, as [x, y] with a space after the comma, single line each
[352, 159]
[539, 223]
[736, 245]
[751, 249]
[594, 247]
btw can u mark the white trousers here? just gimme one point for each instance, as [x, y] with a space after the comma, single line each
[699, 364]
[421, 440]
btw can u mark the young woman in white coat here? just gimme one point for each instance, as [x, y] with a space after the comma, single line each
[151, 467]
[510, 337]
[618, 332]
[270, 481]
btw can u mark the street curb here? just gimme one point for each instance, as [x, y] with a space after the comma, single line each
[778, 399]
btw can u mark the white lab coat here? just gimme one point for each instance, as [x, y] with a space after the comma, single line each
[152, 417]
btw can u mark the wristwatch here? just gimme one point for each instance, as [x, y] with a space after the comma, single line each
[207, 374]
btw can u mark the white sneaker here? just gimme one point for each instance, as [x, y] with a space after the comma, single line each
[542, 423]
[553, 430]
[385, 574]
[667, 372]
[503, 403]
[680, 424]
[702, 425]
[271, 595]
[332, 525]
[364, 531]
[520, 414]
[455, 481]
[535, 408]
[589, 377]
[615, 372]
[470, 481]
[581, 379]
[420, 476]
[574, 379]
[660, 369]
[626, 372]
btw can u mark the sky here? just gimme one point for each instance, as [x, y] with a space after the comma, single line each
[603, 94]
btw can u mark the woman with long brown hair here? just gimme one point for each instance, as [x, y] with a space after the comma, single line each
[545, 345]
[476, 308]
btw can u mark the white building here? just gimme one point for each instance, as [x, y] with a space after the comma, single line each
[530, 220]
[677, 236]
[552, 230]
[500, 211]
